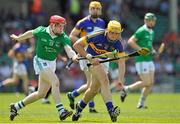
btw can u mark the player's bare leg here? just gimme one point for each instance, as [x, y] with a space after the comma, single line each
[42, 89]
[25, 83]
[146, 90]
[14, 80]
[146, 86]
[100, 80]
[77, 92]
[90, 93]
[52, 78]
[101, 76]
[44, 85]
[82, 89]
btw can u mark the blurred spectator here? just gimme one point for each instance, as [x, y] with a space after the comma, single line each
[164, 7]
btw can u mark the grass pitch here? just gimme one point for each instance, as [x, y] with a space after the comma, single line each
[162, 108]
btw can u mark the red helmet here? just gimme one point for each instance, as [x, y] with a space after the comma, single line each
[57, 19]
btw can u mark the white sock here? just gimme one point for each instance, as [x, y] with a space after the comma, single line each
[60, 108]
[127, 89]
[142, 100]
[19, 105]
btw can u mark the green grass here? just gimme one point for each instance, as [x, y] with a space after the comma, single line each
[163, 108]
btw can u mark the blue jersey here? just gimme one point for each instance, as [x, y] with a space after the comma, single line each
[87, 25]
[22, 48]
[98, 43]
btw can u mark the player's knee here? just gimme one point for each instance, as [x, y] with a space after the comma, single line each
[88, 84]
[55, 83]
[92, 90]
[41, 94]
[93, 93]
[86, 87]
[105, 81]
[148, 84]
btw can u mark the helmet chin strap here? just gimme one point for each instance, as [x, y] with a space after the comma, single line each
[149, 27]
[54, 32]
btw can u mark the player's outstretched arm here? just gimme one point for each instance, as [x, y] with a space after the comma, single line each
[71, 53]
[122, 68]
[22, 37]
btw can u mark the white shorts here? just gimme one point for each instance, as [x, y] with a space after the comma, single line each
[145, 67]
[19, 69]
[83, 65]
[106, 66]
[40, 64]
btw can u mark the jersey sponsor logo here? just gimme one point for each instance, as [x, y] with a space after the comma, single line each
[57, 44]
[97, 28]
[89, 28]
[147, 36]
[100, 45]
[43, 39]
[49, 49]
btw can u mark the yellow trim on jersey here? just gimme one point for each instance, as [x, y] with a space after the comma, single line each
[81, 20]
[98, 51]
[77, 29]
[84, 41]
[83, 33]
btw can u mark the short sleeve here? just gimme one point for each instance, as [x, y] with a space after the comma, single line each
[138, 34]
[66, 41]
[37, 31]
[79, 25]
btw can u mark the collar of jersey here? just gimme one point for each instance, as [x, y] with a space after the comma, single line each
[89, 17]
[48, 31]
[147, 29]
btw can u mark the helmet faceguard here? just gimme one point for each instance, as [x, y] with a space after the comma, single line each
[150, 20]
[150, 16]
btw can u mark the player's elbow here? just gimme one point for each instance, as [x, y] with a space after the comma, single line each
[11, 54]
[131, 40]
[75, 46]
[71, 38]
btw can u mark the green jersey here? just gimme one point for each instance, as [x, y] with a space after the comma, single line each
[47, 46]
[144, 38]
